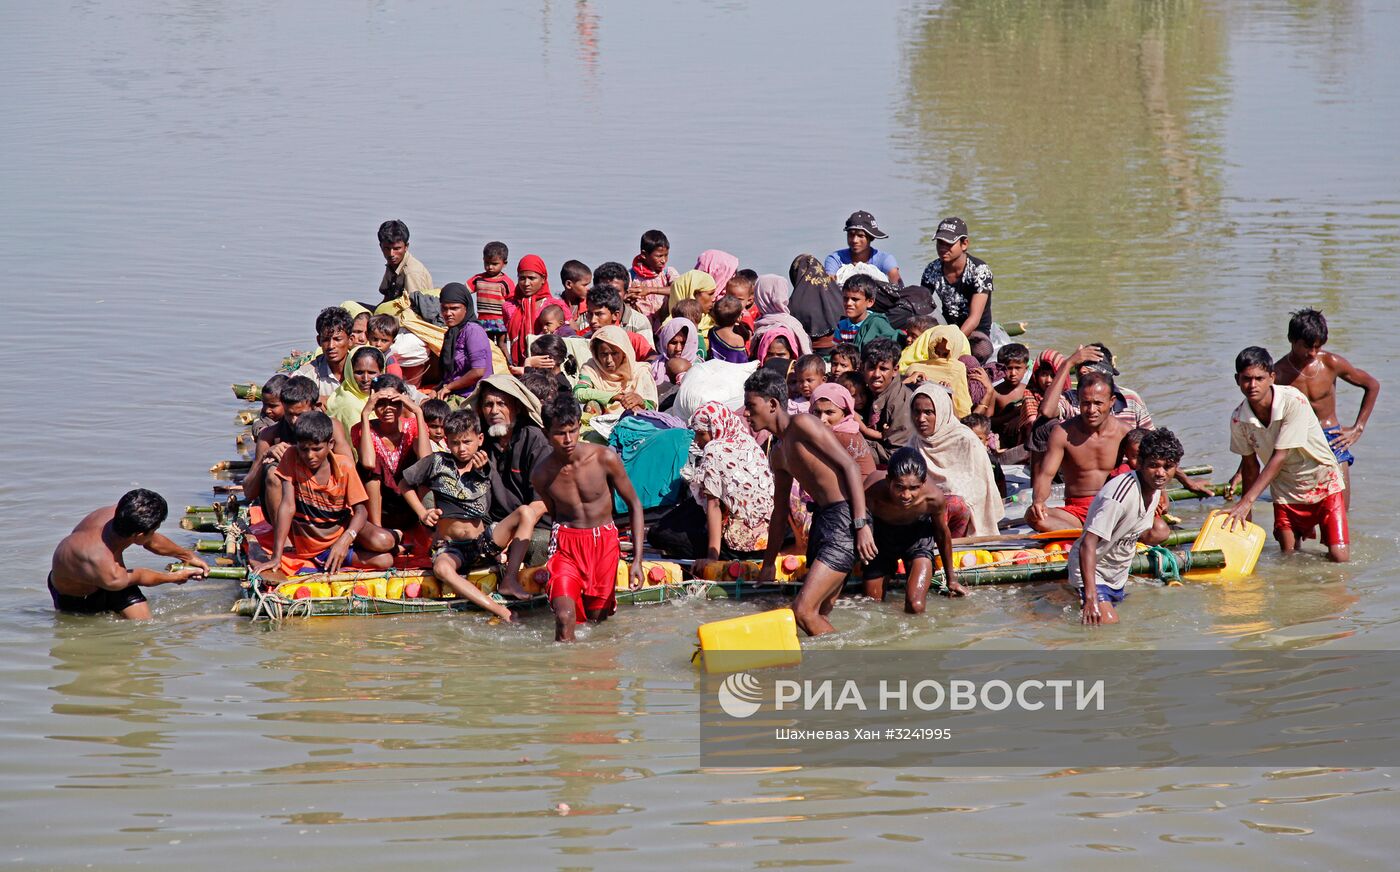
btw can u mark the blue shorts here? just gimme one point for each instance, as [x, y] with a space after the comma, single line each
[320, 562]
[1107, 594]
[1343, 454]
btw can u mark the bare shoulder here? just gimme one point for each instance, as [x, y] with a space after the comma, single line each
[95, 520]
[934, 498]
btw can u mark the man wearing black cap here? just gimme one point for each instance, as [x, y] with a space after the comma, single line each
[860, 230]
[964, 284]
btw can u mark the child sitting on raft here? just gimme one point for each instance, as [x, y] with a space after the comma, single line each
[322, 513]
[460, 482]
[435, 413]
[271, 411]
[726, 342]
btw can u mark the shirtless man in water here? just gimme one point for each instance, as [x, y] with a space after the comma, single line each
[576, 481]
[1315, 372]
[88, 576]
[807, 450]
[909, 524]
[1085, 449]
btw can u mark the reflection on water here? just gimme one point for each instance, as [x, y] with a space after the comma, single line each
[1171, 177]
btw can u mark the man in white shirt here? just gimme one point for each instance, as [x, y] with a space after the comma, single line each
[1122, 514]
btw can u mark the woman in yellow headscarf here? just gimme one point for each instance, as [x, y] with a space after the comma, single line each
[348, 402]
[612, 378]
[700, 287]
[933, 357]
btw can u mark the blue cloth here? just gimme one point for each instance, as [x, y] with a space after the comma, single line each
[1107, 594]
[653, 458]
[1343, 454]
[881, 260]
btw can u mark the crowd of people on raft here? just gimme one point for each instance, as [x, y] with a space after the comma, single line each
[500, 422]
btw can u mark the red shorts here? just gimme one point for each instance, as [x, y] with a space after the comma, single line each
[1079, 507]
[583, 567]
[1303, 518]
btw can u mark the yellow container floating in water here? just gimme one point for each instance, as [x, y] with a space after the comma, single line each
[654, 572]
[770, 636]
[295, 590]
[1241, 545]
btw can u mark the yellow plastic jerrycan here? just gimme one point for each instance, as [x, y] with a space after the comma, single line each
[426, 587]
[790, 567]
[341, 588]
[304, 589]
[771, 636]
[1241, 546]
[534, 578]
[654, 572]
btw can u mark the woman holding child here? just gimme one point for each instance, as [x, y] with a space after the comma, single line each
[613, 380]
[957, 462]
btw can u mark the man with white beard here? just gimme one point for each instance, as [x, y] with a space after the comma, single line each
[515, 442]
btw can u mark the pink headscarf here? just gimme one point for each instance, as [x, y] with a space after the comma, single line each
[766, 338]
[720, 265]
[771, 295]
[841, 398]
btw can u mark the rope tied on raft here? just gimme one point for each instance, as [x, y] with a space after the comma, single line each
[1163, 564]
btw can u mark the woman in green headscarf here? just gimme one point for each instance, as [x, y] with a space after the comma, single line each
[348, 401]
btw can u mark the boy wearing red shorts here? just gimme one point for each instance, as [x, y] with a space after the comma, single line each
[1275, 428]
[576, 480]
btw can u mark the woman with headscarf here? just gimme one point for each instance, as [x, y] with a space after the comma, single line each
[612, 379]
[362, 365]
[694, 285]
[933, 357]
[466, 349]
[678, 339]
[957, 461]
[732, 482]
[778, 341]
[719, 265]
[532, 295]
[815, 301]
[772, 294]
[837, 408]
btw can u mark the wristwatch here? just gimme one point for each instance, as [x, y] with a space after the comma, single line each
[860, 523]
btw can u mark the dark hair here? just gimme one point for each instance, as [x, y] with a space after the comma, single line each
[313, 427]
[611, 272]
[384, 323]
[435, 410]
[809, 362]
[769, 385]
[300, 389]
[139, 511]
[747, 276]
[368, 351]
[605, 296]
[976, 421]
[574, 270]
[1013, 352]
[355, 319]
[386, 380]
[1160, 445]
[862, 283]
[1089, 377]
[847, 350]
[543, 386]
[907, 461]
[727, 311]
[880, 351]
[495, 251]
[393, 231]
[1133, 437]
[685, 308]
[1309, 326]
[552, 307]
[460, 421]
[654, 239]
[1253, 356]
[853, 380]
[562, 410]
[273, 386]
[553, 346]
[334, 318]
[920, 323]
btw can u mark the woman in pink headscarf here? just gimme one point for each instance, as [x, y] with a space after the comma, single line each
[532, 296]
[720, 265]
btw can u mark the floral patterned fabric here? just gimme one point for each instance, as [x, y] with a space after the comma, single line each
[732, 469]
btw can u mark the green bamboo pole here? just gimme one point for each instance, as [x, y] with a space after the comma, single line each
[231, 573]
[248, 392]
[239, 465]
[1181, 493]
[1015, 328]
[201, 523]
[209, 546]
[1193, 471]
[1033, 572]
[1182, 537]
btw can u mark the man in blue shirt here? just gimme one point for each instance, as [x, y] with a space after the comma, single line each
[860, 230]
